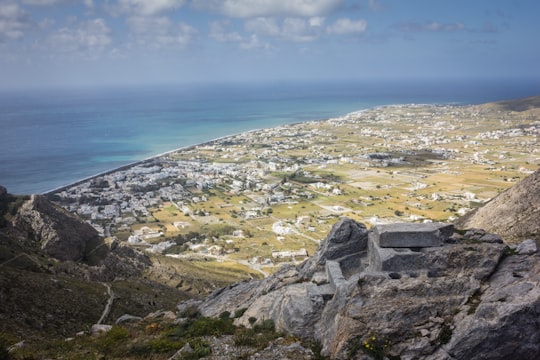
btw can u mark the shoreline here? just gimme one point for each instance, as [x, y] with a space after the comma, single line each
[154, 157]
[188, 147]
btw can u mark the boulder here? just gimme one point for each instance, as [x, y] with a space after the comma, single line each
[347, 238]
[527, 247]
[100, 329]
[409, 235]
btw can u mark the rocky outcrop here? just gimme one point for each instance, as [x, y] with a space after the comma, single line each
[466, 297]
[60, 234]
[513, 214]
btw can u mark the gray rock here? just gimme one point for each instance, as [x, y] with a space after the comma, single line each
[334, 274]
[527, 247]
[185, 350]
[3, 191]
[504, 322]
[407, 235]
[492, 238]
[294, 309]
[346, 237]
[461, 294]
[100, 329]
[394, 259]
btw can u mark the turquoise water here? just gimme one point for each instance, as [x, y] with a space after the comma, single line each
[50, 138]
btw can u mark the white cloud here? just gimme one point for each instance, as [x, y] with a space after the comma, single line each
[345, 26]
[88, 38]
[433, 26]
[263, 25]
[13, 22]
[219, 30]
[147, 7]
[160, 32]
[44, 2]
[292, 29]
[266, 8]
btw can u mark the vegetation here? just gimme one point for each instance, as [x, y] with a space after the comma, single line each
[156, 339]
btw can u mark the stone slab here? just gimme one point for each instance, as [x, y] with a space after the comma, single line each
[394, 259]
[334, 273]
[411, 235]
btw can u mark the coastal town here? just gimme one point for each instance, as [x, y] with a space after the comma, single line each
[269, 196]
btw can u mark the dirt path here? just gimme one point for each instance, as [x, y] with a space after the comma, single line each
[107, 309]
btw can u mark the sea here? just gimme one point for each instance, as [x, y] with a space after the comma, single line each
[50, 138]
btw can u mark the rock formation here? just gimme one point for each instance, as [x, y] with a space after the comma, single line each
[60, 234]
[437, 295]
[513, 214]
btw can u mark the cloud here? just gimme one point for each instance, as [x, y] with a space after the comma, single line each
[160, 32]
[13, 22]
[267, 8]
[345, 26]
[219, 30]
[146, 7]
[254, 43]
[433, 26]
[292, 29]
[44, 2]
[87, 39]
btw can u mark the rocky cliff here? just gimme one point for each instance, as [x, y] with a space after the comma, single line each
[60, 234]
[409, 291]
[513, 214]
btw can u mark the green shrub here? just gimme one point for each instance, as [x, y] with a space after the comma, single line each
[445, 335]
[225, 315]
[375, 346]
[239, 312]
[266, 325]
[245, 337]
[112, 341]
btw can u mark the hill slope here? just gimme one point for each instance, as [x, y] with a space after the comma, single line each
[513, 214]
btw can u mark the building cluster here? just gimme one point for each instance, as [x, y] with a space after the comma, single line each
[276, 166]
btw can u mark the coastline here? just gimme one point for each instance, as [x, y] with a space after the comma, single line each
[209, 142]
[183, 148]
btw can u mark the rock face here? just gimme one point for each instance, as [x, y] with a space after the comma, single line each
[513, 214]
[464, 299]
[60, 234]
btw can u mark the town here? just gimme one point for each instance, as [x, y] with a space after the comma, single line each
[269, 196]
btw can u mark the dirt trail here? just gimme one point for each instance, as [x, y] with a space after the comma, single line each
[107, 309]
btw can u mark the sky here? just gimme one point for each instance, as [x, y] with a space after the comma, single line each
[47, 43]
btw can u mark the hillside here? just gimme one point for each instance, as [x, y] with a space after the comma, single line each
[513, 214]
[524, 105]
[57, 275]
